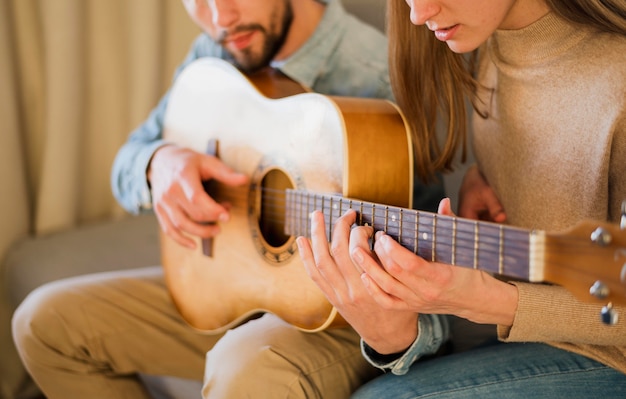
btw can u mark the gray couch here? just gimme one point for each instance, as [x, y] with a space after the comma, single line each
[110, 245]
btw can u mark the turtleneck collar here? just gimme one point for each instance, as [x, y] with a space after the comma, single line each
[548, 37]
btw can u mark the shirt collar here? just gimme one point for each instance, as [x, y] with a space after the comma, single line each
[310, 61]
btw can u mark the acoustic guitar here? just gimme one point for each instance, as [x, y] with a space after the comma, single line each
[297, 146]
[282, 136]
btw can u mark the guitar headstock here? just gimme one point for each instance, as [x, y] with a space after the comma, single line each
[590, 261]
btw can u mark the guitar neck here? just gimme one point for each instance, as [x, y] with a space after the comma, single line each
[491, 247]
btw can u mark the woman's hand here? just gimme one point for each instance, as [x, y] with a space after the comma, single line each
[332, 269]
[477, 200]
[381, 292]
[180, 202]
[400, 280]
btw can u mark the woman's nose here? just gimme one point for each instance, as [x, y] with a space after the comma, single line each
[423, 10]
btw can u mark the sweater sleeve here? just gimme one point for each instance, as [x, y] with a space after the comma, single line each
[547, 313]
[552, 315]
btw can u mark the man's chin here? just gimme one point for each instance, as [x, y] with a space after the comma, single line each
[248, 65]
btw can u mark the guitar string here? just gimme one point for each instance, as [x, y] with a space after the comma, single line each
[278, 209]
[275, 208]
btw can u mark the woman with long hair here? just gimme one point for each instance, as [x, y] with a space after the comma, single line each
[546, 80]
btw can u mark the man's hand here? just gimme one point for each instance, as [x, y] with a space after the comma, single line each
[180, 202]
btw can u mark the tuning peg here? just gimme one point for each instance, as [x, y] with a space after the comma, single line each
[599, 289]
[608, 315]
[622, 223]
[601, 236]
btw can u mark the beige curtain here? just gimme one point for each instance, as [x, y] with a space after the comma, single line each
[76, 76]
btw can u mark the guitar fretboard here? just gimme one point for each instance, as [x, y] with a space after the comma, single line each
[491, 247]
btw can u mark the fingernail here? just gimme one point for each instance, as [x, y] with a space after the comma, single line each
[223, 217]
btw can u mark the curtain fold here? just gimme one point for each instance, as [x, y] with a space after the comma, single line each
[14, 213]
[86, 72]
[64, 76]
[76, 77]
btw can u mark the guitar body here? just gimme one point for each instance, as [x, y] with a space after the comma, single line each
[359, 148]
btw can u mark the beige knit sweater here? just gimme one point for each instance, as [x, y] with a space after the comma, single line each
[554, 149]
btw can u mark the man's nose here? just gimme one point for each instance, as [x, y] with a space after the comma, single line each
[225, 12]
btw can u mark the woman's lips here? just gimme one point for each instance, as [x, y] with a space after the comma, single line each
[446, 34]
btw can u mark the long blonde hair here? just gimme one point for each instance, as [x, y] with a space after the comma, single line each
[431, 83]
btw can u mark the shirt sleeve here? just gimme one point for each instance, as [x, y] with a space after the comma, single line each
[128, 178]
[433, 331]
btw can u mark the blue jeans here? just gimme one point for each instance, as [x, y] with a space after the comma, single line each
[501, 371]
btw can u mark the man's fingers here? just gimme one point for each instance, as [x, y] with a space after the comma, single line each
[214, 168]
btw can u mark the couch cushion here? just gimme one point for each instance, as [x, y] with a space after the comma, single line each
[122, 244]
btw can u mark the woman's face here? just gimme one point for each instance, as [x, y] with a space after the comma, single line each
[465, 24]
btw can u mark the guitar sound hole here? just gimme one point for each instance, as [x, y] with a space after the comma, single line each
[272, 215]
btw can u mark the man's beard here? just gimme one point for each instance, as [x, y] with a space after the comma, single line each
[249, 62]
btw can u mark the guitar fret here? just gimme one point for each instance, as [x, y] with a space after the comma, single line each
[453, 256]
[386, 219]
[291, 223]
[374, 216]
[288, 220]
[360, 213]
[297, 209]
[475, 264]
[305, 208]
[415, 239]
[501, 250]
[294, 223]
[330, 215]
[340, 210]
[434, 240]
[310, 210]
[303, 211]
[400, 227]
[480, 245]
[307, 220]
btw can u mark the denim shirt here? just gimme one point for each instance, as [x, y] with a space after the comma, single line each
[343, 57]
[433, 331]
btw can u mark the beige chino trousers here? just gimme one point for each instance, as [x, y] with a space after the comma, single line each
[90, 337]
